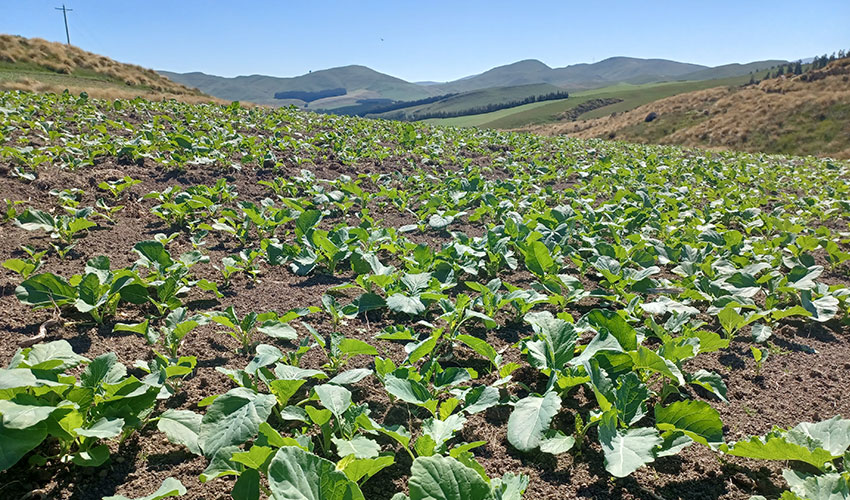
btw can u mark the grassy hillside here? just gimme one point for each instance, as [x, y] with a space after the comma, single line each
[360, 82]
[806, 114]
[538, 113]
[472, 100]
[38, 65]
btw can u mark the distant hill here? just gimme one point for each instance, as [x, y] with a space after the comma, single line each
[38, 65]
[475, 101]
[360, 82]
[364, 85]
[803, 114]
[577, 76]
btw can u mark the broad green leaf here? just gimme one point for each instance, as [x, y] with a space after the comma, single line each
[181, 427]
[233, 418]
[45, 290]
[776, 447]
[103, 429]
[355, 347]
[401, 303]
[278, 330]
[93, 457]
[530, 420]
[626, 450]
[335, 398]
[295, 474]
[556, 442]
[359, 446]
[18, 416]
[409, 391]
[57, 355]
[360, 468]
[833, 434]
[350, 376]
[538, 260]
[444, 478]
[247, 487]
[18, 442]
[480, 346]
[696, 419]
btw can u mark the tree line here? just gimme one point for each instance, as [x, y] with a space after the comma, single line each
[798, 68]
[487, 108]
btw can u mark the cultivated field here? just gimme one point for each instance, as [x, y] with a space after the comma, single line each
[265, 303]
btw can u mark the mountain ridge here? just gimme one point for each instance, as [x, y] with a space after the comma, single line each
[364, 84]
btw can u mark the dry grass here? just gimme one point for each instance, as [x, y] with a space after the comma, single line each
[806, 114]
[103, 92]
[60, 58]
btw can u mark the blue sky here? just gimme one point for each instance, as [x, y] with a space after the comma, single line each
[435, 40]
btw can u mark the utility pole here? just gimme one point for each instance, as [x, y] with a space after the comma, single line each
[65, 15]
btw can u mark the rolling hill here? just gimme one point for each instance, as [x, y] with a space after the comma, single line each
[38, 65]
[360, 83]
[364, 85]
[803, 114]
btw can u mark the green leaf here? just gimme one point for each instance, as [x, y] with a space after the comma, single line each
[480, 346]
[359, 446]
[647, 359]
[530, 420]
[18, 416]
[616, 325]
[57, 355]
[626, 450]
[833, 435]
[480, 398]
[103, 429]
[831, 486]
[46, 289]
[181, 427]
[538, 260]
[307, 221]
[822, 309]
[18, 442]
[709, 381]
[283, 390]
[409, 391]
[630, 398]
[350, 376]
[170, 488]
[253, 458]
[696, 419]
[233, 418]
[247, 487]
[359, 468]
[444, 478]
[295, 474]
[104, 369]
[556, 442]
[775, 446]
[335, 398]
[278, 330]
[355, 347]
[401, 303]
[94, 457]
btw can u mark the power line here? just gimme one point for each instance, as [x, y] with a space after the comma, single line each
[65, 15]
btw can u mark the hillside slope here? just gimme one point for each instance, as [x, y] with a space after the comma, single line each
[805, 114]
[38, 65]
[360, 82]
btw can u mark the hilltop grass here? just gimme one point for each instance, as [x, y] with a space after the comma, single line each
[541, 113]
[37, 65]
